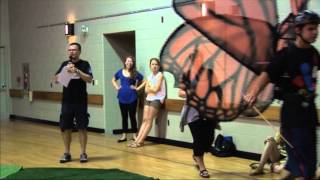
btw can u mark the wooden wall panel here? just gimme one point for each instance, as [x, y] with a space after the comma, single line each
[94, 99]
[171, 105]
[18, 93]
[175, 105]
[49, 96]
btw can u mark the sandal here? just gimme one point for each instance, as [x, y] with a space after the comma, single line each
[131, 144]
[254, 165]
[204, 173]
[135, 145]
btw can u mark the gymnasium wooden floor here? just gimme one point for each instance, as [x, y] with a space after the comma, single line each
[38, 145]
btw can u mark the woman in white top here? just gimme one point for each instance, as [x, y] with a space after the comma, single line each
[156, 92]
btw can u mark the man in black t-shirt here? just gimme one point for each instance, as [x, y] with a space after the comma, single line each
[74, 101]
[294, 70]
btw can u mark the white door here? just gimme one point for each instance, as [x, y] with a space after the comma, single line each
[3, 87]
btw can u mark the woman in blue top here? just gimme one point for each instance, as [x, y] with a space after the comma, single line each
[129, 78]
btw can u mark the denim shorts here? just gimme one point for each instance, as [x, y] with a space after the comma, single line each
[155, 103]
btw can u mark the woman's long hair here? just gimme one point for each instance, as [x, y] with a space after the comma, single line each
[132, 70]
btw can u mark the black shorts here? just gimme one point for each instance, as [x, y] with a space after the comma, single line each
[74, 114]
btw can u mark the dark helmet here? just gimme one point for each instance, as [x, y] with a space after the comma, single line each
[306, 17]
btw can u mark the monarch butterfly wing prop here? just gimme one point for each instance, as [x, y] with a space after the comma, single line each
[285, 35]
[298, 5]
[245, 29]
[213, 79]
[286, 27]
[286, 32]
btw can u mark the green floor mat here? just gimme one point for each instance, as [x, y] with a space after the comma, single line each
[75, 174]
[6, 170]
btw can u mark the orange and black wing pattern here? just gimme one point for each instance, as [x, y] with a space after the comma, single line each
[245, 29]
[220, 49]
[285, 29]
[212, 78]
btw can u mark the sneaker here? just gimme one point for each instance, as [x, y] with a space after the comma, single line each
[83, 158]
[65, 158]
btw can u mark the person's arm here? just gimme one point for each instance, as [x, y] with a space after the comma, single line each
[157, 87]
[86, 77]
[141, 85]
[255, 87]
[115, 84]
[273, 72]
[147, 87]
[55, 79]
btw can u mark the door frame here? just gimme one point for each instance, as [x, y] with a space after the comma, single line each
[117, 46]
[4, 92]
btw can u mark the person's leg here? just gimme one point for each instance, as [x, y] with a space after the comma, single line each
[124, 114]
[196, 145]
[67, 138]
[302, 157]
[198, 133]
[152, 113]
[82, 120]
[208, 129]
[146, 111]
[206, 139]
[274, 153]
[134, 136]
[133, 119]
[308, 151]
[289, 167]
[83, 138]
[66, 125]
[270, 152]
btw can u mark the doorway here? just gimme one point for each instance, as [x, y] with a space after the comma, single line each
[117, 46]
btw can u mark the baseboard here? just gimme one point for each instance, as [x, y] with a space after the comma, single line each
[43, 121]
[241, 154]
